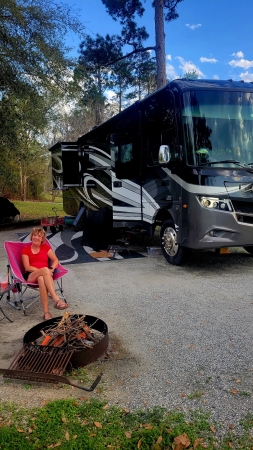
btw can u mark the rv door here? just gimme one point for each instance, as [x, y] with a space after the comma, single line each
[126, 186]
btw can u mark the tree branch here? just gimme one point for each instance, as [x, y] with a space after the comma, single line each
[137, 50]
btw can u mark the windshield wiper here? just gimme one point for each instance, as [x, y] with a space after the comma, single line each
[232, 161]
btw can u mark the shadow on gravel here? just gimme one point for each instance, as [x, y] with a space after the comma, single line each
[236, 261]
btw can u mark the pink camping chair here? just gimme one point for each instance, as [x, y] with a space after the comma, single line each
[16, 271]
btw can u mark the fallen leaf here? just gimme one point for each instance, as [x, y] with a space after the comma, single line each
[44, 402]
[98, 424]
[230, 444]
[197, 442]
[64, 419]
[181, 442]
[128, 434]
[234, 391]
[147, 426]
[167, 381]
[54, 445]
[127, 411]
[20, 431]
[8, 424]
[75, 436]
[231, 426]
[166, 341]
[139, 443]
[136, 375]
[183, 394]
[191, 346]
[169, 430]
[212, 429]
[238, 381]
[67, 436]
[159, 440]
[30, 430]
[106, 406]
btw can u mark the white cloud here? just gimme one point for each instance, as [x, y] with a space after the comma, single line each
[246, 76]
[193, 26]
[238, 54]
[188, 66]
[169, 57]
[208, 60]
[171, 72]
[110, 95]
[216, 77]
[245, 63]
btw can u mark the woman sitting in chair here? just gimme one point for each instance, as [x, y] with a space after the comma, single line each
[35, 259]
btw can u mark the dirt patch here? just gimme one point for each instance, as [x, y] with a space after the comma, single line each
[31, 393]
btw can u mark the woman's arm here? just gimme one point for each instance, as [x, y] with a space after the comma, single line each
[26, 264]
[53, 258]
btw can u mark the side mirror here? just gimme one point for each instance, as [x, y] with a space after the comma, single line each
[164, 154]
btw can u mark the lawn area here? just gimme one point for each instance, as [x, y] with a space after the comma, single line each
[37, 210]
[94, 425]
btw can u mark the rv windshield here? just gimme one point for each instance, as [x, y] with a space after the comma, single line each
[218, 128]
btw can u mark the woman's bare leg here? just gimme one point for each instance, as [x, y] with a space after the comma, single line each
[43, 294]
[48, 281]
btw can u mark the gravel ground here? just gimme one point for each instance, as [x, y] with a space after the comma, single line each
[180, 337]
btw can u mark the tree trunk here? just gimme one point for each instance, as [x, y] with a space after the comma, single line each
[160, 44]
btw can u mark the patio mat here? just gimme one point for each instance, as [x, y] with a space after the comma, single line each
[68, 248]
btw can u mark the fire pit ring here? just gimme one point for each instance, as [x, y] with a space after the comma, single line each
[82, 357]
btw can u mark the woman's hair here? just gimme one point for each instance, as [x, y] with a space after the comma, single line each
[39, 230]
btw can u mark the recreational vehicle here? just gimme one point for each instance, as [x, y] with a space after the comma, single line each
[180, 159]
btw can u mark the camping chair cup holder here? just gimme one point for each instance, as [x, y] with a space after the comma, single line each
[22, 293]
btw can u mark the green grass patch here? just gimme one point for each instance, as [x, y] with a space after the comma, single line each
[94, 425]
[38, 210]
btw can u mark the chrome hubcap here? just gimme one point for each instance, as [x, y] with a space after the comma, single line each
[169, 241]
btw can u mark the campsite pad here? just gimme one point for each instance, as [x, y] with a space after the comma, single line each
[68, 248]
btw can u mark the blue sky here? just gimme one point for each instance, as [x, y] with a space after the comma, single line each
[212, 37]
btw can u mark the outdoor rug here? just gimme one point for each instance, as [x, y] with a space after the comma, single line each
[68, 248]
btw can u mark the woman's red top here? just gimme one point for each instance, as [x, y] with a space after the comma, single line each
[39, 259]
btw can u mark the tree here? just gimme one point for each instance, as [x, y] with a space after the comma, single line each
[32, 44]
[125, 11]
[93, 72]
[144, 74]
[34, 73]
[191, 75]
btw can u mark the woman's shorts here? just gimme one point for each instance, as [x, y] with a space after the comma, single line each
[26, 275]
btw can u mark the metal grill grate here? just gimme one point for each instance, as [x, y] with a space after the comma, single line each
[37, 359]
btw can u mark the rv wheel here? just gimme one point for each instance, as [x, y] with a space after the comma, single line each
[249, 249]
[172, 251]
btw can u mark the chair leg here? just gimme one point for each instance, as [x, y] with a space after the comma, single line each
[60, 288]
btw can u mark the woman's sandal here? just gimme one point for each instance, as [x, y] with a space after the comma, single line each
[60, 304]
[47, 316]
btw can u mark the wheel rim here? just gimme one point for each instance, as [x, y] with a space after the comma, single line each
[169, 241]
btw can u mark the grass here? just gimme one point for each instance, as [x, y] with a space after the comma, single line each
[37, 210]
[92, 424]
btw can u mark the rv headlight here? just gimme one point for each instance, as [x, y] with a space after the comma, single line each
[222, 204]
